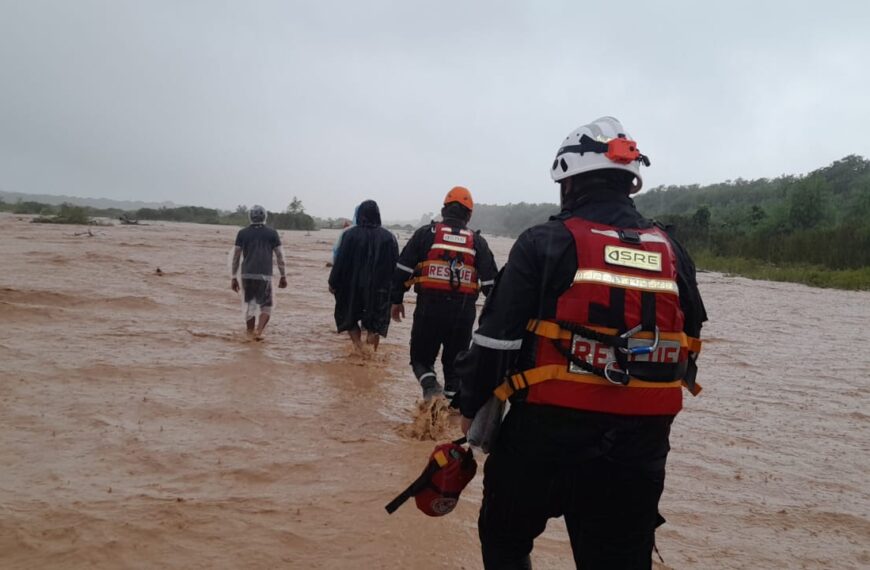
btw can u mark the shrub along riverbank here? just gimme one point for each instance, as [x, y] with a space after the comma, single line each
[812, 229]
[813, 275]
[71, 214]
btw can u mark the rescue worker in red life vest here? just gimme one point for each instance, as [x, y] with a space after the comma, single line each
[590, 332]
[449, 265]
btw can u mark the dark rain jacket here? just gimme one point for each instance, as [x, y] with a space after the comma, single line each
[362, 271]
[540, 268]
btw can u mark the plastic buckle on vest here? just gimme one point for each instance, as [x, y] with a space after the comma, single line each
[628, 236]
[520, 381]
[635, 350]
[622, 377]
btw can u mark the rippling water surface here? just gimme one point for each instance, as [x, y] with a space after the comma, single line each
[139, 428]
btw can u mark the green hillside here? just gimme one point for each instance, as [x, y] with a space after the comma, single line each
[813, 228]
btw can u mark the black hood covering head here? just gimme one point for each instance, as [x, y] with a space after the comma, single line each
[368, 214]
[456, 211]
[590, 185]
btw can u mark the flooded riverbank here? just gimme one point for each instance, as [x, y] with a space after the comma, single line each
[140, 428]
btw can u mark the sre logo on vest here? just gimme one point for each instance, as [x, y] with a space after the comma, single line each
[599, 354]
[635, 258]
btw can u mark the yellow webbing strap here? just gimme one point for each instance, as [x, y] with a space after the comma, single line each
[560, 372]
[549, 329]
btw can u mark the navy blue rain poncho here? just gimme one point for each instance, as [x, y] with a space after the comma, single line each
[362, 272]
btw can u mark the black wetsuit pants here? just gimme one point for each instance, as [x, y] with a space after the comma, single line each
[609, 500]
[441, 322]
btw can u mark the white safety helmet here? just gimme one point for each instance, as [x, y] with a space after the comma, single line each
[257, 214]
[602, 144]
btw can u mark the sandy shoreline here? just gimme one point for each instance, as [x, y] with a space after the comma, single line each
[140, 429]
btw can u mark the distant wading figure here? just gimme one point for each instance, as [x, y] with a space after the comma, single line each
[360, 277]
[448, 265]
[253, 252]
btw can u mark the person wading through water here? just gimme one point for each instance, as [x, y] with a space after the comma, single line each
[591, 331]
[360, 277]
[448, 265]
[254, 247]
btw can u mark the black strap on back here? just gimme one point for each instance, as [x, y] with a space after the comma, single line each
[591, 334]
[612, 316]
[691, 371]
[648, 310]
[582, 364]
[455, 277]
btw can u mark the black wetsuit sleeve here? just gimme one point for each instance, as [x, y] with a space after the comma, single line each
[486, 267]
[498, 339]
[413, 253]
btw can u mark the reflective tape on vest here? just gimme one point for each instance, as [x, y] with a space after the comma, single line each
[626, 281]
[645, 237]
[455, 248]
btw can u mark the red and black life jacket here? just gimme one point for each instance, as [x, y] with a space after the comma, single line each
[617, 343]
[450, 266]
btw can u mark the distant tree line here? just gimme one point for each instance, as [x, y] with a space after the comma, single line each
[59, 213]
[66, 214]
[510, 220]
[294, 218]
[822, 218]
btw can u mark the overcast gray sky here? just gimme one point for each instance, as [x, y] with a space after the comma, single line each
[219, 103]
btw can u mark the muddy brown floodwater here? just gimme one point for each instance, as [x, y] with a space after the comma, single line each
[140, 429]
